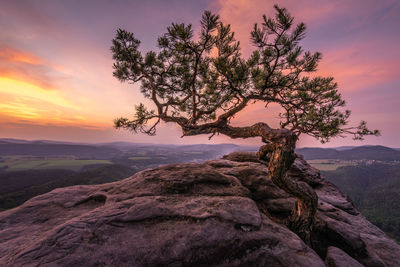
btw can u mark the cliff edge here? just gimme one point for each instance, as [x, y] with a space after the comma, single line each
[220, 213]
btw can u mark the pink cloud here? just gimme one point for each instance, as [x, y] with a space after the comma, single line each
[28, 67]
[358, 66]
[243, 14]
[356, 62]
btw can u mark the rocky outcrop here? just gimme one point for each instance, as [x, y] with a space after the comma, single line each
[336, 257]
[220, 213]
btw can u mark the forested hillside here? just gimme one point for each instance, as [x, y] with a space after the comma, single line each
[375, 190]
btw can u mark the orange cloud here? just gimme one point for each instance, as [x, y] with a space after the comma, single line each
[38, 92]
[25, 66]
[14, 55]
[22, 101]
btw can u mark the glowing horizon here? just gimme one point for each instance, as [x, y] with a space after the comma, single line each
[56, 76]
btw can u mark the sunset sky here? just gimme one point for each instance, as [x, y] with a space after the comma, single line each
[56, 68]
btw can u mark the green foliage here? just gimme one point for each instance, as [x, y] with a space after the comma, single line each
[142, 116]
[375, 190]
[202, 83]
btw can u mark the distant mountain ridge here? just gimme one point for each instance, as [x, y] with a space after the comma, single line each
[357, 153]
[9, 146]
[48, 149]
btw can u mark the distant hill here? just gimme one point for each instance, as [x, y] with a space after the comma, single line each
[48, 149]
[109, 150]
[340, 148]
[10, 146]
[127, 146]
[357, 153]
[318, 153]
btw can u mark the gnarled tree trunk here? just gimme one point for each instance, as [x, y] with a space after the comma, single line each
[280, 156]
[279, 152]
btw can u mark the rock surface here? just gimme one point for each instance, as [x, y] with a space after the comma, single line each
[220, 213]
[336, 257]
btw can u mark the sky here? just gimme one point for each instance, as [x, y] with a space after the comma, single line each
[56, 78]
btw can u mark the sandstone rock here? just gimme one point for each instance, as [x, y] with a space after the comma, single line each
[242, 157]
[338, 258]
[219, 213]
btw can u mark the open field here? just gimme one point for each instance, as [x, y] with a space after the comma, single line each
[20, 164]
[330, 164]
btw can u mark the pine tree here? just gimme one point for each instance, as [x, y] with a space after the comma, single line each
[202, 84]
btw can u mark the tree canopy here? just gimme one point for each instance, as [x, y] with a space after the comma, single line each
[200, 84]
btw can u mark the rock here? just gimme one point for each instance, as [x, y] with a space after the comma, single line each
[336, 257]
[219, 213]
[242, 157]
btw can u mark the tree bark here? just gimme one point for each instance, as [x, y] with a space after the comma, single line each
[279, 155]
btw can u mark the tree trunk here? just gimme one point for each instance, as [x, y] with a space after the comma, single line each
[279, 153]
[280, 157]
